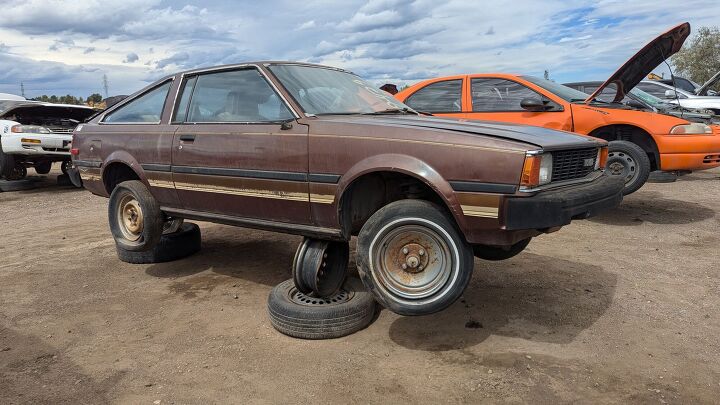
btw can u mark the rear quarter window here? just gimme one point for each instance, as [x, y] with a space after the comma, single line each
[146, 108]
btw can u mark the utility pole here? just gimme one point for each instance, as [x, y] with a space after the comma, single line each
[105, 85]
[22, 89]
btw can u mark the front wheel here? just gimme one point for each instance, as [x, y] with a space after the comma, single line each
[136, 221]
[630, 161]
[412, 258]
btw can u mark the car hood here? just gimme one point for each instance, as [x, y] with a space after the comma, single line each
[539, 137]
[30, 108]
[647, 59]
[702, 91]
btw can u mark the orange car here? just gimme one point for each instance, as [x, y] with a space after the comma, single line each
[640, 141]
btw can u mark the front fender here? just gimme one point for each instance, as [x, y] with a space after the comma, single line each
[410, 166]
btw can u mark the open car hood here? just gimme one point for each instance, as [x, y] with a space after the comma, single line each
[702, 91]
[30, 108]
[647, 59]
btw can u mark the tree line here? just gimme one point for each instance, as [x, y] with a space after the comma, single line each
[91, 100]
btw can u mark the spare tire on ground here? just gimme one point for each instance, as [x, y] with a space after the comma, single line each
[172, 246]
[295, 314]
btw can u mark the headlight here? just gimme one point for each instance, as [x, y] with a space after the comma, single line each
[29, 129]
[546, 164]
[537, 170]
[695, 128]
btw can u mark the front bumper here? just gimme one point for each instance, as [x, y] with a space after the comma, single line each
[50, 144]
[689, 152]
[554, 208]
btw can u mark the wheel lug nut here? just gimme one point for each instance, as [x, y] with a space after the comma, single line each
[404, 266]
[324, 255]
[405, 251]
[421, 252]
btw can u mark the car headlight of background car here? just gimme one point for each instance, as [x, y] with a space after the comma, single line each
[695, 128]
[29, 129]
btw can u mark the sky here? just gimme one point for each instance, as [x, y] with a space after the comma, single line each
[66, 46]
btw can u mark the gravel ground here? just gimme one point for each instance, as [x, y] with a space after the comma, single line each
[616, 309]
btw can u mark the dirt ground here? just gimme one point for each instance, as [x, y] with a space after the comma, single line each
[616, 309]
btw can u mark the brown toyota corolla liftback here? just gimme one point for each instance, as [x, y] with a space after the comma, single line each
[316, 151]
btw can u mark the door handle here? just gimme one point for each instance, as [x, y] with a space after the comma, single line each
[187, 138]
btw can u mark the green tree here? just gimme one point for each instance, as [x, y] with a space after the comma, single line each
[699, 59]
[94, 98]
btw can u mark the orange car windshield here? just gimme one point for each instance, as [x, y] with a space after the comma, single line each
[566, 93]
[324, 91]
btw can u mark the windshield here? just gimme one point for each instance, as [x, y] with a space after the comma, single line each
[648, 98]
[322, 91]
[564, 92]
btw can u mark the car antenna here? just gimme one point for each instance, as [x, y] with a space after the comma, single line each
[672, 77]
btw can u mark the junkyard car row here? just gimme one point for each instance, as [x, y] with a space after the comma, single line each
[316, 151]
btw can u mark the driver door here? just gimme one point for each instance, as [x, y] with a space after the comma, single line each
[237, 150]
[496, 99]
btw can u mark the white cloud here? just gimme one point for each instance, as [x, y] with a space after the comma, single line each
[54, 43]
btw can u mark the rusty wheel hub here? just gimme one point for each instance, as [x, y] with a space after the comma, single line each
[412, 261]
[130, 218]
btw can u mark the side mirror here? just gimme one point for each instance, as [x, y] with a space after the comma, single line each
[670, 94]
[635, 104]
[535, 105]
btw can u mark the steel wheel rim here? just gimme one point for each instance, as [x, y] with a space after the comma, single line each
[622, 164]
[422, 279]
[298, 297]
[130, 218]
[172, 225]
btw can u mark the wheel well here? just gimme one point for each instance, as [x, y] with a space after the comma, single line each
[632, 134]
[115, 174]
[370, 192]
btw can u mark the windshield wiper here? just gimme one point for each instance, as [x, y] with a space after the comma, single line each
[403, 110]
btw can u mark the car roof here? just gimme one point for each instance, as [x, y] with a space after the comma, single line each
[256, 63]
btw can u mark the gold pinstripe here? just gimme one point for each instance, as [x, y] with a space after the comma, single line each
[478, 211]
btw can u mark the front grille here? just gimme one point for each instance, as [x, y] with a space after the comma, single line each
[61, 130]
[573, 164]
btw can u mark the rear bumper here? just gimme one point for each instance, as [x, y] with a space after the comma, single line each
[556, 208]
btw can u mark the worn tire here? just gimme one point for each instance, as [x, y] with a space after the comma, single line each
[620, 151]
[16, 185]
[172, 246]
[43, 167]
[153, 218]
[7, 164]
[294, 314]
[495, 253]
[443, 288]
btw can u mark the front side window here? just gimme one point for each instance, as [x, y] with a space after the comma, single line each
[494, 94]
[445, 96]
[235, 96]
[146, 108]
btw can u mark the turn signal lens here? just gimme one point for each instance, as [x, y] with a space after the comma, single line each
[28, 140]
[531, 171]
[17, 129]
[602, 158]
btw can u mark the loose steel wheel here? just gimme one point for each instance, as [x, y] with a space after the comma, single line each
[66, 166]
[130, 217]
[622, 164]
[172, 225]
[320, 267]
[18, 172]
[413, 261]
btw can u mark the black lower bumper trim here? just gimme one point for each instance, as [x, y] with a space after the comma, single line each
[554, 208]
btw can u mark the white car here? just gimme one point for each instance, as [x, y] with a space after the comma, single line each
[685, 98]
[36, 134]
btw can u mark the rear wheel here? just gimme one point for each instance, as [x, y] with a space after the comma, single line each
[136, 221]
[629, 161]
[412, 258]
